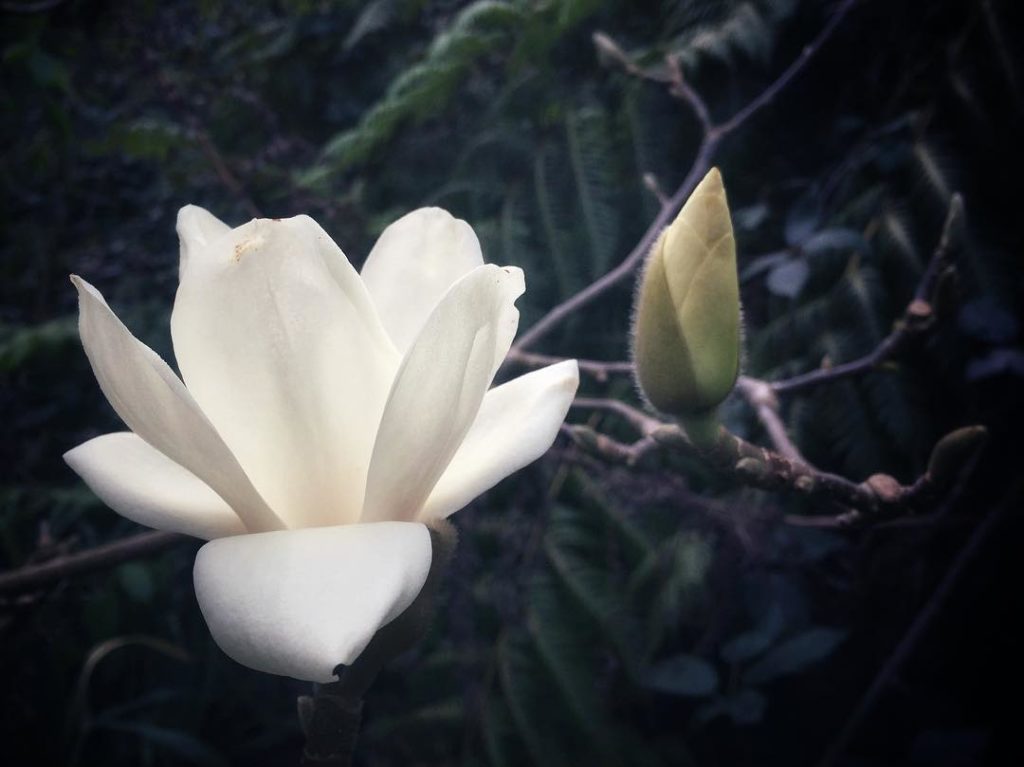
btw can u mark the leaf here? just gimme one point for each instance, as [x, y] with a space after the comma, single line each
[752, 643]
[136, 580]
[498, 733]
[182, 744]
[567, 652]
[795, 655]
[803, 218]
[444, 714]
[762, 264]
[375, 16]
[788, 279]
[988, 321]
[147, 139]
[573, 551]
[675, 575]
[48, 72]
[750, 217]
[1003, 361]
[746, 707]
[685, 675]
[522, 682]
[635, 542]
[836, 238]
[20, 345]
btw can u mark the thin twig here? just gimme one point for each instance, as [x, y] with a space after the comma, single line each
[599, 369]
[652, 185]
[772, 91]
[878, 497]
[638, 419]
[109, 554]
[918, 318]
[180, 104]
[682, 89]
[762, 399]
[608, 448]
[224, 173]
[609, 280]
[917, 630]
[712, 137]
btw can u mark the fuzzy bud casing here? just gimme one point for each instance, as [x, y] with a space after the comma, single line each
[686, 334]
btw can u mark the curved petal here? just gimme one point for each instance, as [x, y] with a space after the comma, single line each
[438, 390]
[413, 264]
[139, 482]
[278, 341]
[155, 404]
[299, 602]
[516, 425]
[197, 228]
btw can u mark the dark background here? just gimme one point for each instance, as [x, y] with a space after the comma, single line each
[593, 615]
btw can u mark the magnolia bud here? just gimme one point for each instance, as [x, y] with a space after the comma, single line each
[954, 450]
[686, 336]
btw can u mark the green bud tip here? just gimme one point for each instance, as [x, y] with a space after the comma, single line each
[686, 332]
[952, 451]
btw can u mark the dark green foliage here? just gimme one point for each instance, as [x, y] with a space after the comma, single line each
[593, 615]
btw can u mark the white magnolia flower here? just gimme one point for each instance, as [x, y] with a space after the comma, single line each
[324, 418]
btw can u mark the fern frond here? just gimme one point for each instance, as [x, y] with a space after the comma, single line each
[425, 88]
[934, 170]
[568, 651]
[591, 153]
[896, 234]
[522, 678]
[743, 31]
[551, 205]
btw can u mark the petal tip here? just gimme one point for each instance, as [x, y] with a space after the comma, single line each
[86, 292]
[70, 457]
[516, 277]
[574, 376]
[190, 209]
[432, 211]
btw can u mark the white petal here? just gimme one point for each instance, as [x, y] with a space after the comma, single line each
[197, 229]
[299, 602]
[413, 264]
[278, 341]
[517, 423]
[438, 390]
[155, 404]
[139, 482]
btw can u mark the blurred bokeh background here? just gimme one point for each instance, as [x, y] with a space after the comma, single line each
[594, 615]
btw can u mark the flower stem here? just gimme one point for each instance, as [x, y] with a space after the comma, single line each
[331, 720]
[330, 717]
[702, 428]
